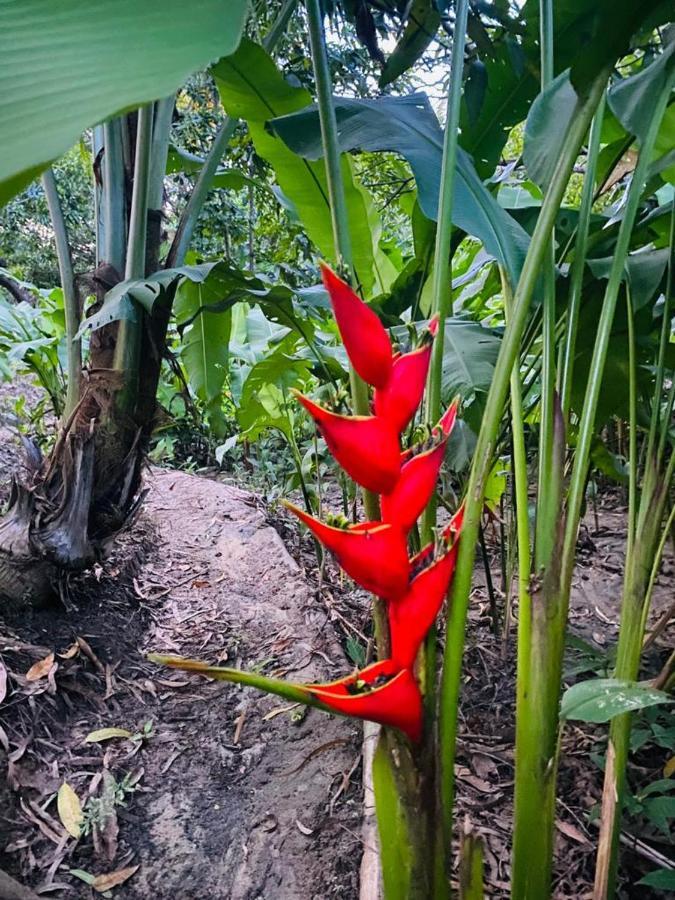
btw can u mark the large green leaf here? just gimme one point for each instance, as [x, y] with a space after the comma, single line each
[469, 357]
[252, 88]
[67, 64]
[600, 699]
[408, 125]
[420, 30]
[643, 269]
[503, 82]
[632, 100]
[547, 124]
[205, 349]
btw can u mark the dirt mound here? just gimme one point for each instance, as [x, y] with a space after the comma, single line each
[220, 793]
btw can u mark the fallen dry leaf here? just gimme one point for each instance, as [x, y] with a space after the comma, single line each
[3, 682]
[70, 809]
[571, 831]
[103, 883]
[41, 668]
[106, 734]
[71, 651]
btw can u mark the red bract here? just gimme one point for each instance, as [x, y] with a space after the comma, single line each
[412, 492]
[365, 338]
[374, 554]
[365, 446]
[413, 615]
[396, 701]
[398, 399]
[419, 474]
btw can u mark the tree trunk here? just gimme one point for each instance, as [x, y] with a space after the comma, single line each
[64, 514]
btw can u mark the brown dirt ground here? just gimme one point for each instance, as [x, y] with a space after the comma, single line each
[230, 796]
[234, 795]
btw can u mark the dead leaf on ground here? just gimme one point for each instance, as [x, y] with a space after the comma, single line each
[71, 651]
[41, 668]
[571, 831]
[70, 809]
[104, 883]
[106, 734]
[3, 682]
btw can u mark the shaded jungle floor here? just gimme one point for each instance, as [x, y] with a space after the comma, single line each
[220, 793]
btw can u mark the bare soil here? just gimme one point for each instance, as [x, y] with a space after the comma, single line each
[230, 794]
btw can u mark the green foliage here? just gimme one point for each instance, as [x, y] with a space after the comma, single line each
[252, 88]
[407, 125]
[421, 26]
[58, 100]
[26, 243]
[600, 699]
[32, 342]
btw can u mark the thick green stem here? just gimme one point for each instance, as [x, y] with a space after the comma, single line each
[190, 215]
[523, 539]
[665, 338]
[129, 335]
[114, 196]
[579, 262]
[71, 304]
[97, 144]
[508, 354]
[160, 149]
[537, 757]
[546, 508]
[632, 425]
[638, 584]
[587, 423]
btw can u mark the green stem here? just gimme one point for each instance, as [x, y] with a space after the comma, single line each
[508, 353]
[441, 303]
[537, 759]
[286, 689]
[547, 513]
[632, 425]
[665, 338]
[97, 143]
[522, 535]
[587, 423]
[579, 262]
[160, 150]
[71, 304]
[641, 565]
[128, 344]
[114, 196]
[190, 215]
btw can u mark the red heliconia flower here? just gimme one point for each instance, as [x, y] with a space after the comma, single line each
[374, 554]
[380, 693]
[398, 399]
[365, 338]
[419, 473]
[411, 617]
[366, 447]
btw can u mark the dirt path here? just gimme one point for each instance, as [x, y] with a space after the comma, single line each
[228, 794]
